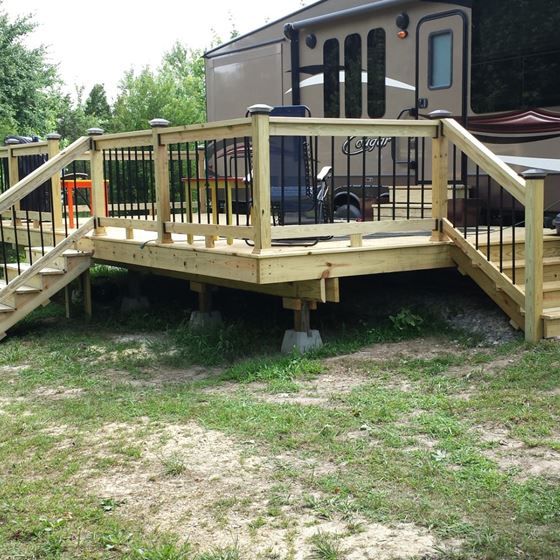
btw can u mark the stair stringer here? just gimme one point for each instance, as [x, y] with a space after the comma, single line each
[80, 263]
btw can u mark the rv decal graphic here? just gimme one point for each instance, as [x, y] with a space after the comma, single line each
[355, 146]
[318, 79]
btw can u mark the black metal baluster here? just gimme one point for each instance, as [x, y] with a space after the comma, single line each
[513, 242]
[465, 173]
[477, 202]
[180, 182]
[189, 182]
[14, 223]
[488, 216]
[65, 204]
[363, 187]
[226, 183]
[236, 171]
[4, 254]
[408, 159]
[51, 198]
[501, 229]
[348, 180]
[394, 205]
[423, 179]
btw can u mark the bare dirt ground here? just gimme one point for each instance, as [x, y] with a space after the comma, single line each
[224, 494]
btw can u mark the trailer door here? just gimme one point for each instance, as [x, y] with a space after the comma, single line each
[441, 64]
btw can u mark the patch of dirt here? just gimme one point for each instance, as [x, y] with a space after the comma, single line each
[488, 369]
[223, 493]
[57, 393]
[7, 401]
[9, 374]
[423, 348]
[161, 377]
[511, 454]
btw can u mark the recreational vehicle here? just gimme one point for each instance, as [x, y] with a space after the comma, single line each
[494, 65]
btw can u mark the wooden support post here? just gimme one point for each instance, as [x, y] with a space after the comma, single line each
[440, 174]
[68, 301]
[161, 176]
[204, 292]
[301, 309]
[53, 149]
[13, 169]
[86, 291]
[98, 193]
[261, 177]
[534, 212]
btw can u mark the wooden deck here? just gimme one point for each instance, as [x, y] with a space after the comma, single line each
[518, 268]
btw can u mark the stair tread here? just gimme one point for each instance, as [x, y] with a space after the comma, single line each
[551, 313]
[68, 252]
[25, 266]
[552, 286]
[23, 289]
[520, 263]
[6, 308]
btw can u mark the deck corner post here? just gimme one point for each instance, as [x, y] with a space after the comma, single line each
[53, 148]
[161, 178]
[534, 213]
[440, 172]
[98, 194]
[13, 166]
[260, 115]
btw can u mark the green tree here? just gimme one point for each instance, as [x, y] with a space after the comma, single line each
[29, 85]
[97, 105]
[73, 118]
[175, 91]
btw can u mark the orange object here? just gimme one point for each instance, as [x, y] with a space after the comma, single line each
[70, 185]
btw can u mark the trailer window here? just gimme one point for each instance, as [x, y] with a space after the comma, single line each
[440, 60]
[331, 84]
[376, 73]
[353, 76]
[515, 55]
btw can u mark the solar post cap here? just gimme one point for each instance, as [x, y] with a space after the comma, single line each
[440, 114]
[95, 131]
[260, 109]
[53, 136]
[534, 174]
[159, 123]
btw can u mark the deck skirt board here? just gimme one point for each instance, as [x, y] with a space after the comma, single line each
[327, 259]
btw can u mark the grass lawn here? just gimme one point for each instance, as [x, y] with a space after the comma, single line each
[132, 437]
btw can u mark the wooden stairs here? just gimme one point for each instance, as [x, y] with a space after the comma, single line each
[513, 268]
[41, 285]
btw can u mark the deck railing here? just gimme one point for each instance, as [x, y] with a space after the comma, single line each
[32, 215]
[214, 180]
[345, 178]
[486, 224]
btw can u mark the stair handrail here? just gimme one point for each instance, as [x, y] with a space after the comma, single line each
[43, 173]
[44, 261]
[500, 171]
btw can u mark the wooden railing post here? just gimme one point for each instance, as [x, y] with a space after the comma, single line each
[260, 115]
[53, 148]
[534, 212]
[13, 168]
[98, 194]
[440, 174]
[161, 178]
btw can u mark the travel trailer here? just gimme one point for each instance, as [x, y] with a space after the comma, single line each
[493, 64]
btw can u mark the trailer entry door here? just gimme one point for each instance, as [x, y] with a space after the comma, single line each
[441, 64]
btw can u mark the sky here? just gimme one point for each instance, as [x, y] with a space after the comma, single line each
[96, 42]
